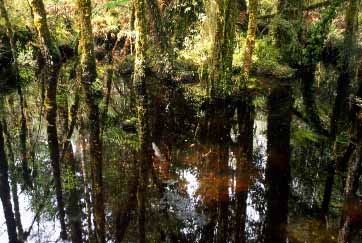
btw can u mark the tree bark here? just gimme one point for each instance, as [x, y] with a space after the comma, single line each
[245, 113]
[5, 188]
[85, 177]
[73, 207]
[142, 100]
[219, 112]
[51, 55]
[123, 217]
[23, 129]
[88, 76]
[14, 183]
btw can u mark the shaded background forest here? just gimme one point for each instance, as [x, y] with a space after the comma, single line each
[180, 121]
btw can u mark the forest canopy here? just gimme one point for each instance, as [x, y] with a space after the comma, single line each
[209, 121]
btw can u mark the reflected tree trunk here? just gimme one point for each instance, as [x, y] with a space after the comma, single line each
[5, 188]
[347, 70]
[123, 216]
[351, 220]
[220, 109]
[85, 177]
[93, 97]
[51, 55]
[14, 182]
[26, 171]
[142, 100]
[23, 137]
[245, 113]
[73, 207]
[278, 168]
[23, 129]
[277, 175]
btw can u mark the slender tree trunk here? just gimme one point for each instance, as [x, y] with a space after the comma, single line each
[123, 217]
[23, 148]
[23, 130]
[88, 75]
[5, 188]
[351, 205]
[85, 182]
[142, 100]
[73, 206]
[13, 180]
[51, 55]
[347, 70]
[245, 112]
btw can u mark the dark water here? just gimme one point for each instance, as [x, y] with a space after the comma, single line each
[186, 192]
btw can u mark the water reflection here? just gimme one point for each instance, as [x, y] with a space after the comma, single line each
[190, 196]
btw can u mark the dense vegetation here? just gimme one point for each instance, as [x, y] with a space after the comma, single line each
[180, 121]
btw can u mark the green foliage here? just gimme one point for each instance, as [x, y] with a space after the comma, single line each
[304, 137]
[117, 136]
[286, 31]
[266, 59]
[69, 179]
[110, 5]
[343, 138]
[318, 34]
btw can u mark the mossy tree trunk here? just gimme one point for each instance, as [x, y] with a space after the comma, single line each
[220, 110]
[245, 112]
[221, 55]
[74, 210]
[142, 101]
[52, 58]
[85, 176]
[23, 129]
[93, 96]
[14, 181]
[5, 188]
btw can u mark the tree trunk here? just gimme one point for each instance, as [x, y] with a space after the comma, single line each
[73, 206]
[123, 217]
[280, 104]
[219, 112]
[351, 205]
[222, 50]
[142, 100]
[51, 55]
[23, 130]
[347, 70]
[278, 168]
[13, 180]
[23, 148]
[351, 220]
[5, 188]
[245, 113]
[88, 76]
[86, 191]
